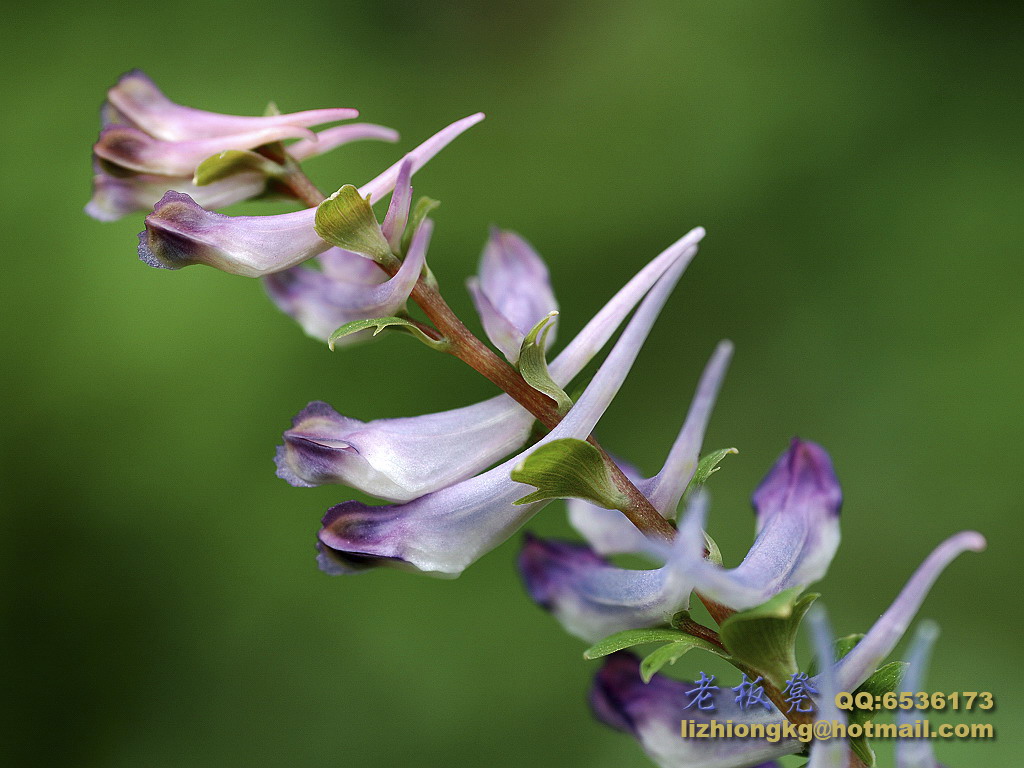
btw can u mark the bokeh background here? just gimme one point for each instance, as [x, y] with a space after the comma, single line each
[858, 167]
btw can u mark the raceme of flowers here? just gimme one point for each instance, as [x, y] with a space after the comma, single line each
[456, 484]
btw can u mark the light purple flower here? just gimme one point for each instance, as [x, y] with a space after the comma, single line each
[854, 668]
[590, 597]
[607, 530]
[404, 458]
[651, 713]
[512, 292]
[179, 232]
[137, 101]
[118, 195]
[828, 753]
[916, 753]
[321, 303]
[797, 508]
[445, 531]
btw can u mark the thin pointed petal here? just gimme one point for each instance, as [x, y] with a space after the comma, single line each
[405, 458]
[445, 531]
[180, 233]
[651, 713]
[797, 508]
[114, 197]
[385, 182]
[830, 753]
[592, 598]
[916, 753]
[880, 641]
[397, 216]
[331, 138]
[512, 292]
[321, 304]
[665, 489]
[140, 101]
[130, 148]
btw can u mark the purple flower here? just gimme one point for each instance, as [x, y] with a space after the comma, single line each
[512, 292]
[321, 303]
[590, 597]
[180, 232]
[115, 196]
[445, 531]
[137, 101]
[797, 508]
[916, 753]
[854, 668]
[830, 753]
[402, 459]
[150, 145]
[651, 713]
[607, 530]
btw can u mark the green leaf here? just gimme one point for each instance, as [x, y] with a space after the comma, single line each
[671, 653]
[233, 161]
[533, 364]
[862, 749]
[420, 211]
[346, 220]
[630, 637]
[569, 469]
[706, 467]
[764, 637]
[379, 324]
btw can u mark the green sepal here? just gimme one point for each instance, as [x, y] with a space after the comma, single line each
[714, 553]
[346, 220]
[706, 467]
[533, 364]
[271, 110]
[569, 469]
[630, 637]
[764, 637]
[671, 653]
[232, 161]
[420, 211]
[379, 324]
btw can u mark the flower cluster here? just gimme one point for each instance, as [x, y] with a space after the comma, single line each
[456, 484]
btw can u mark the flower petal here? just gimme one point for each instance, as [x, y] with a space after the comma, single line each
[382, 184]
[130, 148]
[592, 598]
[402, 459]
[607, 530]
[331, 138]
[665, 489]
[651, 713]
[180, 233]
[140, 101]
[830, 753]
[858, 665]
[512, 292]
[445, 531]
[321, 304]
[115, 197]
[797, 508]
[397, 216]
[916, 753]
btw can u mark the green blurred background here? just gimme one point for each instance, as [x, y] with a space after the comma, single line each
[858, 168]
